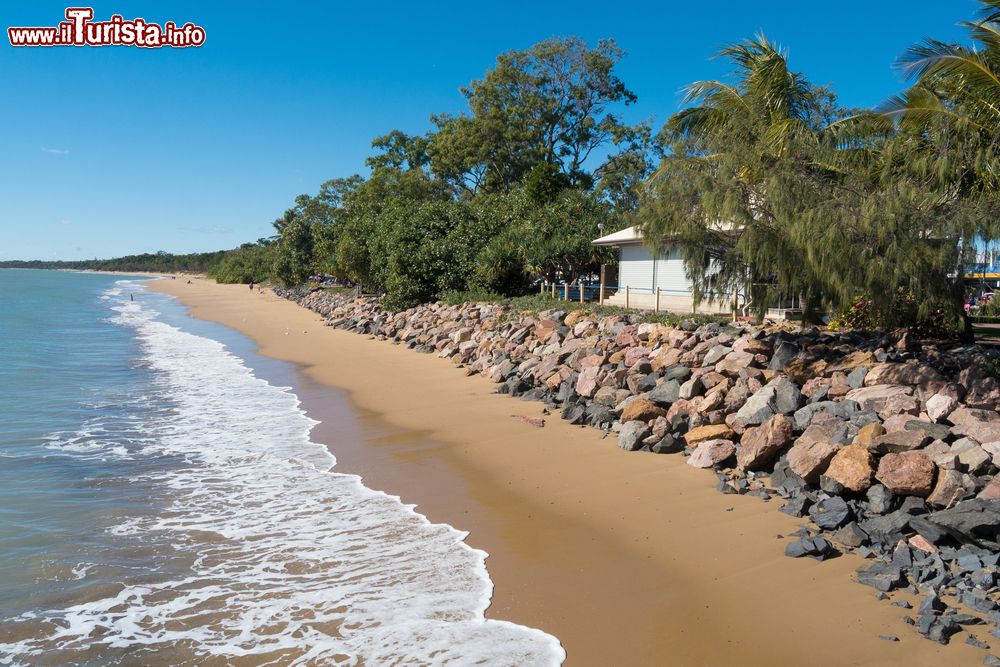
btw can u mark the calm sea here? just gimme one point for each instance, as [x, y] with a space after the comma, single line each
[161, 504]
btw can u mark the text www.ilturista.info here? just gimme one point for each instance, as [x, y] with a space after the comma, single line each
[80, 30]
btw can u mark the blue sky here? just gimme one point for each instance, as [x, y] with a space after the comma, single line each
[117, 150]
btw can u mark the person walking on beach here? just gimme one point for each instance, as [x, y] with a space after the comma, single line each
[251, 285]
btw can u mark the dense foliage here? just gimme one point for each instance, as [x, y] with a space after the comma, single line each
[492, 199]
[160, 262]
[770, 187]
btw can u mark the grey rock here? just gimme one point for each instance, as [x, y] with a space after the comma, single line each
[797, 505]
[757, 409]
[783, 354]
[668, 444]
[975, 520]
[631, 435]
[851, 535]
[882, 577]
[927, 529]
[933, 431]
[716, 354]
[831, 486]
[913, 505]
[690, 388]
[856, 378]
[574, 413]
[879, 499]
[678, 372]
[666, 393]
[814, 547]
[830, 513]
[787, 397]
[889, 526]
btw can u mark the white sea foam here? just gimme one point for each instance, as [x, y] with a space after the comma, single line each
[293, 563]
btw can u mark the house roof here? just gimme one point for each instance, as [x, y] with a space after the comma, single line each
[621, 237]
[631, 235]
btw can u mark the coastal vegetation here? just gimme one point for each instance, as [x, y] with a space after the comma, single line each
[768, 184]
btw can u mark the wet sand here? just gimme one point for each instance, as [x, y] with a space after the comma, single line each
[627, 558]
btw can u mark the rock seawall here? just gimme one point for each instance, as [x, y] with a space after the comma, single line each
[889, 447]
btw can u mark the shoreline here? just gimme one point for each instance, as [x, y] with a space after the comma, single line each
[625, 559]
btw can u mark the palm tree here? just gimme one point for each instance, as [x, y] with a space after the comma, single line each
[739, 177]
[951, 119]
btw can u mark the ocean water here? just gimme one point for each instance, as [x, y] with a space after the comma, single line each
[161, 504]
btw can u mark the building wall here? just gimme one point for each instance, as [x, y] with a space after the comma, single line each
[640, 271]
[635, 268]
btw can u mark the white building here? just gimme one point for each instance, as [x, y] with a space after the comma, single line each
[654, 279]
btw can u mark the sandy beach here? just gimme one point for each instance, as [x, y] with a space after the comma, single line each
[627, 558]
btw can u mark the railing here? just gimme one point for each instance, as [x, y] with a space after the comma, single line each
[590, 292]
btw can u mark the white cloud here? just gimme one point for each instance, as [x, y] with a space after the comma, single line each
[55, 151]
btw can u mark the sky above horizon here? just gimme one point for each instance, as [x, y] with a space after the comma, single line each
[119, 150]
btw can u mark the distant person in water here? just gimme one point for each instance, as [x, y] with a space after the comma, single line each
[131, 297]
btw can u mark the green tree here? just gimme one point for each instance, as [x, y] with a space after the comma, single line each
[951, 120]
[293, 253]
[549, 103]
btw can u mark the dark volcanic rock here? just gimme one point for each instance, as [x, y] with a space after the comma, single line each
[830, 513]
[974, 520]
[851, 535]
[882, 577]
[666, 393]
[814, 547]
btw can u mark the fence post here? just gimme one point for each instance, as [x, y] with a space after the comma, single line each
[541, 288]
[627, 290]
[656, 308]
[581, 291]
[553, 289]
[565, 291]
[600, 296]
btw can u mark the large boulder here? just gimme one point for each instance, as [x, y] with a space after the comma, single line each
[761, 445]
[809, 458]
[734, 363]
[940, 406]
[907, 473]
[950, 487]
[875, 398]
[588, 382]
[631, 435]
[982, 425]
[983, 390]
[711, 453]
[716, 354]
[852, 467]
[973, 520]
[666, 393]
[908, 374]
[899, 441]
[779, 396]
[641, 409]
